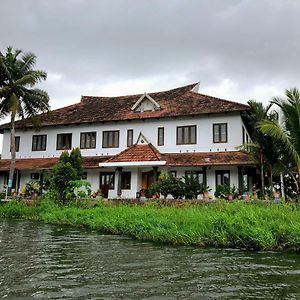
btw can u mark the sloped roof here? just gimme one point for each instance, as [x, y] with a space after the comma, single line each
[137, 152]
[177, 102]
[90, 162]
[202, 159]
[145, 152]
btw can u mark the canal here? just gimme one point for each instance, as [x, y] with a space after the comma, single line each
[59, 262]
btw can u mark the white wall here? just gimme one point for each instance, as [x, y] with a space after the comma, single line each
[147, 127]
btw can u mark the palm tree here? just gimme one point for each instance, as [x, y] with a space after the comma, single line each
[18, 97]
[262, 146]
[288, 131]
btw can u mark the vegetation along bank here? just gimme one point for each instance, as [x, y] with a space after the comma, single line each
[257, 226]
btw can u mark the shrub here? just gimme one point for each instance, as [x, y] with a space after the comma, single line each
[32, 187]
[223, 190]
[80, 189]
[192, 187]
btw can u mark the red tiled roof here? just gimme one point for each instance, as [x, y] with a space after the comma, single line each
[137, 152]
[91, 162]
[174, 103]
[143, 153]
[208, 159]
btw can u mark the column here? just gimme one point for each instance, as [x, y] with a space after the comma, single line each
[204, 176]
[241, 183]
[155, 173]
[119, 181]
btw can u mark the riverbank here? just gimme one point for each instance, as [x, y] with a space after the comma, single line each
[222, 224]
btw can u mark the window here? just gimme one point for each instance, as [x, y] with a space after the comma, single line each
[126, 181]
[160, 136]
[110, 139]
[246, 182]
[64, 141]
[220, 133]
[39, 142]
[222, 177]
[35, 176]
[107, 179]
[196, 174]
[17, 142]
[186, 135]
[129, 137]
[87, 140]
[84, 176]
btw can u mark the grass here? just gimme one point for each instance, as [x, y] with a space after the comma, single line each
[222, 224]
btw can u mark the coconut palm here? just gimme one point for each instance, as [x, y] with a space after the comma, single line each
[288, 131]
[18, 97]
[262, 146]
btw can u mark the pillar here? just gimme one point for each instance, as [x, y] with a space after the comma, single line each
[204, 176]
[119, 181]
[241, 183]
[155, 173]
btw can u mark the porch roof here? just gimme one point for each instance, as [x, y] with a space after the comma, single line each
[201, 159]
[91, 162]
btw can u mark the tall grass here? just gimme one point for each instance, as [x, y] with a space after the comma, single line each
[237, 224]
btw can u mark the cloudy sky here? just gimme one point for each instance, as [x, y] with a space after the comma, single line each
[237, 49]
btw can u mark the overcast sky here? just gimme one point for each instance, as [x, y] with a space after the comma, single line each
[238, 50]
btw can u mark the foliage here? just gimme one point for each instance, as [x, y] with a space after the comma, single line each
[80, 189]
[287, 132]
[259, 226]
[223, 190]
[192, 187]
[32, 187]
[18, 97]
[66, 174]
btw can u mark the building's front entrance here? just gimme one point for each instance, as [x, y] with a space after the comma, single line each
[147, 180]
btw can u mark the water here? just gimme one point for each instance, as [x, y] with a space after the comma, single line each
[57, 262]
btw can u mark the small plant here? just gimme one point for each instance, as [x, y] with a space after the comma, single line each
[80, 189]
[32, 188]
[192, 187]
[225, 191]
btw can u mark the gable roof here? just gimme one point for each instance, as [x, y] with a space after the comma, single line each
[140, 100]
[183, 101]
[137, 152]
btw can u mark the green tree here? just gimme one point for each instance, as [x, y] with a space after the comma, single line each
[263, 147]
[18, 97]
[287, 131]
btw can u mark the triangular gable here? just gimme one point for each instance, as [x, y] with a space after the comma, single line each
[151, 105]
[142, 140]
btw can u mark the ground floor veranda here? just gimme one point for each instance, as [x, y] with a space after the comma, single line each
[132, 182]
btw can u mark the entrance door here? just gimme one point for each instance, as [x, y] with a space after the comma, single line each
[107, 182]
[147, 180]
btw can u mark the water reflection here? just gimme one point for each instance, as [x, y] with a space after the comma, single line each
[55, 262]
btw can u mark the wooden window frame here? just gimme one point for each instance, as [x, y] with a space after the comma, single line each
[85, 139]
[128, 139]
[163, 136]
[37, 136]
[222, 172]
[62, 148]
[196, 172]
[220, 133]
[114, 179]
[17, 143]
[189, 138]
[122, 180]
[113, 131]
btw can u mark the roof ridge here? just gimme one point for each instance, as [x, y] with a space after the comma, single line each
[217, 98]
[191, 86]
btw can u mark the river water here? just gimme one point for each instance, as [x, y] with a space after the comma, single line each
[59, 262]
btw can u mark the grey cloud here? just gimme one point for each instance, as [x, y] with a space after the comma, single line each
[96, 42]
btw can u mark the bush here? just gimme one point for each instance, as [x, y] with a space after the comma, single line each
[80, 189]
[31, 188]
[192, 187]
[67, 170]
[223, 190]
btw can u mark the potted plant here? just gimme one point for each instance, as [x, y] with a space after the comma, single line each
[205, 191]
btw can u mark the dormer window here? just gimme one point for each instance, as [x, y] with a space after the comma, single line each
[145, 103]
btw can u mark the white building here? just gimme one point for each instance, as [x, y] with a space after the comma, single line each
[126, 141]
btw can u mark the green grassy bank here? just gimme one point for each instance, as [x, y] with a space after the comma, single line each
[222, 224]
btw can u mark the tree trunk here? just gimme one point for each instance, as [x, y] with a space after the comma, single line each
[262, 174]
[12, 152]
[271, 178]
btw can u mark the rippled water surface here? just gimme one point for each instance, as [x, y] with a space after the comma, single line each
[57, 262]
